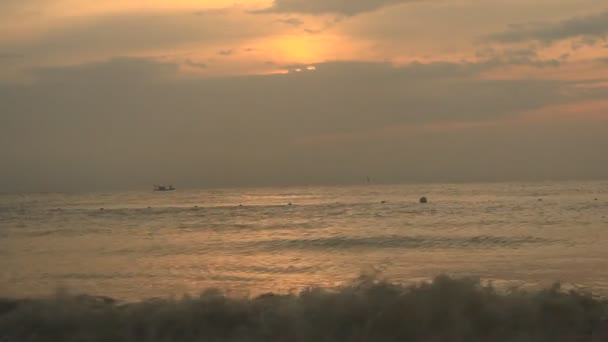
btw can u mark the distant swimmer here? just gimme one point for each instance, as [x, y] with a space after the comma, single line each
[423, 200]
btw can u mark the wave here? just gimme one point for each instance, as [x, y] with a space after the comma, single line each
[369, 309]
[400, 241]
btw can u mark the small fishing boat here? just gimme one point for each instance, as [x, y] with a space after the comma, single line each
[163, 188]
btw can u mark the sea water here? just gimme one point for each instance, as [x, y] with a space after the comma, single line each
[133, 245]
[358, 263]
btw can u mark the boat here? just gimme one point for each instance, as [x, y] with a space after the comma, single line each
[163, 188]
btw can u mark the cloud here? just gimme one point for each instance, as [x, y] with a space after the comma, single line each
[583, 42]
[340, 7]
[127, 33]
[13, 8]
[121, 120]
[119, 70]
[9, 55]
[326, 25]
[291, 22]
[313, 31]
[194, 64]
[226, 52]
[589, 27]
[515, 57]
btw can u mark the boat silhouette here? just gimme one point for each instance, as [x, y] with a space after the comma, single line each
[163, 188]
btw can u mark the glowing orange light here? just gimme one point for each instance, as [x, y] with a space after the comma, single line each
[300, 49]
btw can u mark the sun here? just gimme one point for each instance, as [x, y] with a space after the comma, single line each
[300, 48]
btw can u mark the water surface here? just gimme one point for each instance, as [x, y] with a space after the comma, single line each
[141, 244]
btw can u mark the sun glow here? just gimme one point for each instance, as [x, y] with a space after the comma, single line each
[301, 48]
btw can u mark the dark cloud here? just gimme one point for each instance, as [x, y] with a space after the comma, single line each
[524, 53]
[340, 7]
[119, 123]
[328, 24]
[583, 42]
[194, 64]
[513, 57]
[120, 70]
[291, 22]
[590, 28]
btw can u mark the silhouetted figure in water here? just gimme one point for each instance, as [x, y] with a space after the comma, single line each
[423, 200]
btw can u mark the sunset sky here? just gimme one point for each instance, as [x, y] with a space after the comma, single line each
[127, 93]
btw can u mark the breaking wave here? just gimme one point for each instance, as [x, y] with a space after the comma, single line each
[369, 309]
[398, 241]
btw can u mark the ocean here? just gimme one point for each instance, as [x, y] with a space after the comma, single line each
[132, 246]
[141, 244]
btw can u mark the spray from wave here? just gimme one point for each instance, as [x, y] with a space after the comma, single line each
[369, 309]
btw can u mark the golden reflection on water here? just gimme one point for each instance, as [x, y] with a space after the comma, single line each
[192, 240]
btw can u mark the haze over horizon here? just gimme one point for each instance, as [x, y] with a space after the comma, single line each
[127, 93]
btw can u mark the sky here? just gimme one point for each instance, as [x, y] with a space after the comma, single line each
[123, 94]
